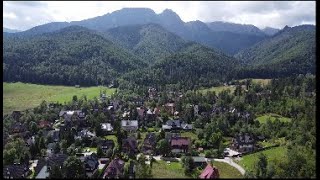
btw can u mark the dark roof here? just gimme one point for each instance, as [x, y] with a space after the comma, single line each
[40, 164]
[180, 141]
[15, 171]
[131, 141]
[244, 138]
[115, 168]
[91, 161]
[107, 144]
[57, 159]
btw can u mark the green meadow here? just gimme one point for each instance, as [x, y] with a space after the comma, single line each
[21, 96]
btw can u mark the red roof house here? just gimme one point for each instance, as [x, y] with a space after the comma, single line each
[209, 173]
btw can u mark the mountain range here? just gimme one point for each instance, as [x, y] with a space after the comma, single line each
[139, 47]
[204, 33]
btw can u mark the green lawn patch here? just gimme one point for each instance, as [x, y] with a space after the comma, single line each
[272, 117]
[21, 96]
[248, 161]
[217, 89]
[227, 171]
[189, 134]
[256, 81]
[160, 169]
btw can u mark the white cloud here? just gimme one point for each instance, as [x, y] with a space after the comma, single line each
[258, 13]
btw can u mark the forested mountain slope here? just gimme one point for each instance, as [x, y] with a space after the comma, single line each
[73, 55]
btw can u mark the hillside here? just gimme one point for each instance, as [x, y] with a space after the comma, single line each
[193, 66]
[73, 55]
[194, 31]
[151, 41]
[235, 28]
[8, 30]
[290, 51]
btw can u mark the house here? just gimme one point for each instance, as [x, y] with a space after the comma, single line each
[130, 145]
[170, 107]
[129, 125]
[243, 142]
[40, 170]
[149, 143]
[76, 115]
[44, 124]
[106, 145]
[85, 133]
[56, 160]
[106, 127]
[180, 144]
[18, 127]
[152, 92]
[115, 169]
[150, 115]
[15, 171]
[176, 124]
[91, 164]
[199, 161]
[141, 112]
[210, 172]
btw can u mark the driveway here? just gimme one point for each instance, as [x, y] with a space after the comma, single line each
[232, 163]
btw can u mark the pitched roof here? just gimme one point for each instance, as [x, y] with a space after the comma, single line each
[15, 171]
[106, 126]
[131, 141]
[125, 123]
[57, 159]
[91, 161]
[115, 167]
[180, 141]
[209, 173]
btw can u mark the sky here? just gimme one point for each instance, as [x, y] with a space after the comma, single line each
[23, 15]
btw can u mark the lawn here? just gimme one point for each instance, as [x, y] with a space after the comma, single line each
[160, 169]
[272, 117]
[227, 171]
[190, 135]
[21, 96]
[248, 161]
[217, 89]
[261, 81]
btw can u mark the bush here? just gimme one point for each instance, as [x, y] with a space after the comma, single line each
[208, 154]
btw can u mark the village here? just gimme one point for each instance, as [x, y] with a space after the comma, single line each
[109, 146]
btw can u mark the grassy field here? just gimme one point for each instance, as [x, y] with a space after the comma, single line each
[227, 171]
[248, 161]
[21, 96]
[272, 117]
[217, 89]
[160, 169]
[261, 81]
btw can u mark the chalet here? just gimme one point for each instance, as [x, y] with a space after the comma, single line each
[243, 143]
[91, 164]
[106, 145]
[56, 160]
[106, 127]
[180, 144]
[210, 172]
[199, 161]
[170, 108]
[115, 169]
[85, 133]
[149, 143]
[44, 124]
[129, 125]
[130, 145]
[18, 128]
[141, 112]
[176, 124]
[16, 171]
[72, 115]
